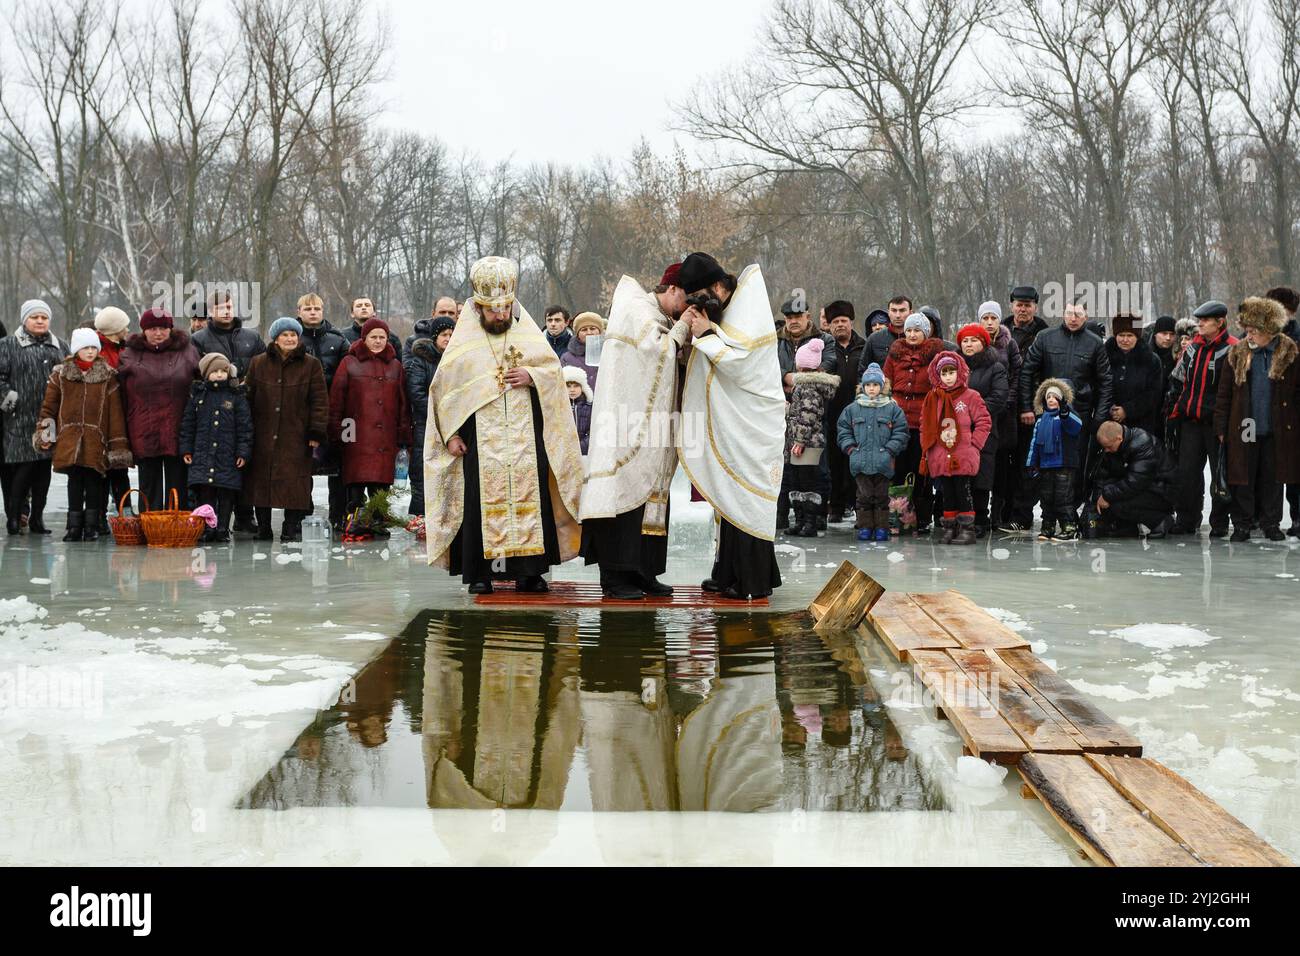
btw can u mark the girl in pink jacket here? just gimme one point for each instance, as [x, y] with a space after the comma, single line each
[955, 424]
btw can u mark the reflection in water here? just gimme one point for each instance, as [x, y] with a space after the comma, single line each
[670, 710]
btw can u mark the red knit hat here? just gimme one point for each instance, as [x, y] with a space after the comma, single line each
[158, 318]
[974, 331]
[670, 274]
[372, 324]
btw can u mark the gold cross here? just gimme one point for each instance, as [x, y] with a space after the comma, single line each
[511, 360]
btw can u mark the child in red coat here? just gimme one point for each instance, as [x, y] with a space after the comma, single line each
[955, 424]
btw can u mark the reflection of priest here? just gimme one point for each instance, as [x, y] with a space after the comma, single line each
[633, 452]
[502, 465]
[733, 420]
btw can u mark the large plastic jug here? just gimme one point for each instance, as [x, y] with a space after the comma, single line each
[315, 530]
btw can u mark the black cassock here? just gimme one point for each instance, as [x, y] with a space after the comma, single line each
[617, 544]
[745, 562]
[465, 556]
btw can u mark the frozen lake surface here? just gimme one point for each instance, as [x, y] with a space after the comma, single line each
[144, 695]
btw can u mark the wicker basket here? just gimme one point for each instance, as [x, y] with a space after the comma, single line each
[128, 530]
[173, 528]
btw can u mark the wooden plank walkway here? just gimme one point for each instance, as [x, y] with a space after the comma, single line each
[1133, 811]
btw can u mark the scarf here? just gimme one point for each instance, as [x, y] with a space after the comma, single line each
[1048, 435]
[84, 366]
[937, 409]
[866, 401]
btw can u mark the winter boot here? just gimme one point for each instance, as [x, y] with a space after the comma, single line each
[618, 586]
[36, 524]
[965, 529]
[90, 530]
[949, 532]
[654, 587]
[74, 532]
[812, 507]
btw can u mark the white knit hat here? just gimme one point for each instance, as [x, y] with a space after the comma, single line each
[574, 374]
[990, 308]
[83, 339]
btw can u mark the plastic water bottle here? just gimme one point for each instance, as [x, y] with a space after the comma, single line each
[594, 345]
[402, 474]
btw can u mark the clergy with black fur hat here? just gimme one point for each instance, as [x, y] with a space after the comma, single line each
[732, 432]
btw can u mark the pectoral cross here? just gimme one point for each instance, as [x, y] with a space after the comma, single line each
[510, 360]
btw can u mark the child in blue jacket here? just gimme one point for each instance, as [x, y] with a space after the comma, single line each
[1054, 458]
[872, 433]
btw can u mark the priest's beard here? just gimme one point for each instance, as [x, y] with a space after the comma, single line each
[495, 326]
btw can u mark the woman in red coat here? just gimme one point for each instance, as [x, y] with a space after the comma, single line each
[907, 378]
[156, 369]
[955, 425]
[369, 416]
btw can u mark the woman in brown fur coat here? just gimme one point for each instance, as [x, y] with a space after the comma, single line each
[1257, 417]
[82, 418]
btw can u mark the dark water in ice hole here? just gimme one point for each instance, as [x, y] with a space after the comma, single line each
[575, 710]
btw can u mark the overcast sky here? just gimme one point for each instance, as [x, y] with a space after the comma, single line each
[572, 79]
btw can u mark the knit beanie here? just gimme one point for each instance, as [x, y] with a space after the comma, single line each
[111, 320]
[1165, 324]
[31, 307]
[974, 331]
[157, 318]
[946, 360]
[370, 326]
[919, 322]
[284, 323]
[443, 324]
[873, 374]
[83, 339]
[990, 308]
[809, 355]
[214, 360]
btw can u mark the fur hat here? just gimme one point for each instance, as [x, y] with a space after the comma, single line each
[1125, 322]
[83, 339]
[283, 324]
[158, 318]
[1185, 327]
[111, 320]
[214, 360]
[918, 321]
[990, 308]
[576, 375]
[1263, 315]
[873, 374]
[584, 319]
[809, 355]
[974, 331]
[1060, 386]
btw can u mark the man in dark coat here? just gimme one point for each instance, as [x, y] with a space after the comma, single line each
[420, 367]
[363, 310]
[557, 331]
[1257, 418]
[1073, 353]
[1193, 409]
[225, 333]
[1136, 376]
[1020, 492]
[846, 356]
[326, 345]
[879, 342]
[1132, 484]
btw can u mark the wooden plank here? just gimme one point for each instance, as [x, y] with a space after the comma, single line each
[904, 627]
[986, 734]
[967, 622]
[831, 589]
[858, 595]
[1108, 828]
[1185, 814]
[1103, 733]
[1040, 731]
[1012, 676]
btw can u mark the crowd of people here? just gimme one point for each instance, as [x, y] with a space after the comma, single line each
[1106, 427]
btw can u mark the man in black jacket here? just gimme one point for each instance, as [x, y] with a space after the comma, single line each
[1290, 300]
[1071, 352]
[880, 341]
[1021, 491]
[1193, 409]
[1132, 485]
[363, 310]
[225, 333]
[846, 356]
[328, 346]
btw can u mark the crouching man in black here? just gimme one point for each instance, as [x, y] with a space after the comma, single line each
[1131, 485]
